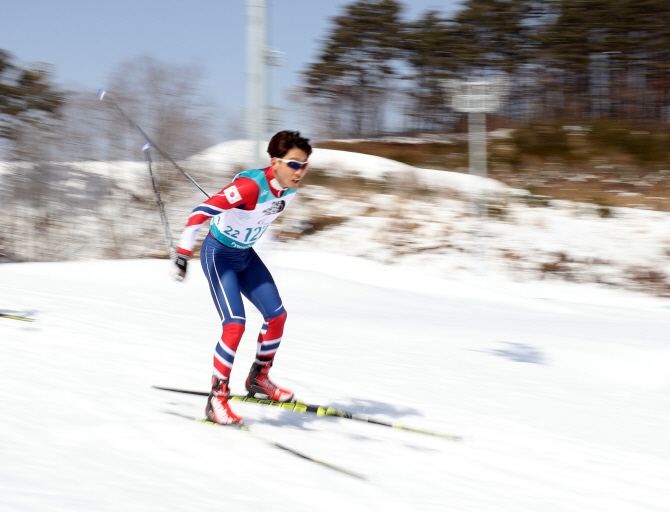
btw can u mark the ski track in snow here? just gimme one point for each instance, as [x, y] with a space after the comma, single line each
[560, 390]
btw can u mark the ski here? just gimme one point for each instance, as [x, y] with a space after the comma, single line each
[319, 410]
[232, 426]
[16, 315]
[244, 428]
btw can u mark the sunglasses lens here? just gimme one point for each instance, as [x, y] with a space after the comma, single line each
[296, 165]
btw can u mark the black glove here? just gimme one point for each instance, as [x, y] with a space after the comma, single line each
[180, 263]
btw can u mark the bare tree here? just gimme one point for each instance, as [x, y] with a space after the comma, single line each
[54, 208]
[166, 100]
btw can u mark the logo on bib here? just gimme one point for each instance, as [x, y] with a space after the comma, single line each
[276, 207]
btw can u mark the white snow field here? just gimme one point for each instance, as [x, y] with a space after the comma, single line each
[560, 390]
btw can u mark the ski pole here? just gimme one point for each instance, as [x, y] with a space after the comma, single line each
[146, 149]
[102, 94]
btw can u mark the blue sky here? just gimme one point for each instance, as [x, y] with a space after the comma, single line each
[86, 40]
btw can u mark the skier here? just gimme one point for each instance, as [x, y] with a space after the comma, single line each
[240, 214]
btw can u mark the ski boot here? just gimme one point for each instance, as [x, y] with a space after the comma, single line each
[217, 409]
[258, 383]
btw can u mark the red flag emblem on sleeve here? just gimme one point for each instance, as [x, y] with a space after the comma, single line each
[232, 194]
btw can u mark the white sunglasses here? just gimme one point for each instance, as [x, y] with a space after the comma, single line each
[294, 164]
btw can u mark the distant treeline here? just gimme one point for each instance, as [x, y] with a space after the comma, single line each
[573, 60]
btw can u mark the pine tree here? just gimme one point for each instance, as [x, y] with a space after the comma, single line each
[493, 35]
[496, 37]
[430, 50]
[641, 39]
[607, 56]
[351, 78]
[568, 59]
[25, 95]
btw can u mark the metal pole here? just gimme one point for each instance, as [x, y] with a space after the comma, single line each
[477, 154]
[256, 76]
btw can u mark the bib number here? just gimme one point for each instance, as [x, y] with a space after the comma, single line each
[252, 234]
[232, 233]
[256, 232]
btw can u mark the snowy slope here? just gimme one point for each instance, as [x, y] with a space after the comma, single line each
[627, 248]
[227, 156]
[422, 219]
[561, 391]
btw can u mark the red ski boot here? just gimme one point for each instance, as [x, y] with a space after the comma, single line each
[258, 382]
[217, 409]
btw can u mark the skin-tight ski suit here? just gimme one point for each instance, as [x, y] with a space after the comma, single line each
[240, 214]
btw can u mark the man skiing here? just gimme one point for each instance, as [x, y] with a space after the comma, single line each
[240, 214]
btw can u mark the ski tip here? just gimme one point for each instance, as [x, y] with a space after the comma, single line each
[16, 317]
[101, 93]
[146, 146]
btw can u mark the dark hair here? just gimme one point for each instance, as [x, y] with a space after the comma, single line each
[284, 141]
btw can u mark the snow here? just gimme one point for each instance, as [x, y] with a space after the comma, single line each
[559, 389]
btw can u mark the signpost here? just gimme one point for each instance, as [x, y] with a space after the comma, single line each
[477, 97]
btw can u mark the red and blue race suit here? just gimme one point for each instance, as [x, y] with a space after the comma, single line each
[240, 214]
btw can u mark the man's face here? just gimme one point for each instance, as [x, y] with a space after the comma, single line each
[286, 176]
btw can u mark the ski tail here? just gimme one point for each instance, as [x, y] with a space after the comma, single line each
[238, 426]
[186, 391]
